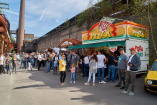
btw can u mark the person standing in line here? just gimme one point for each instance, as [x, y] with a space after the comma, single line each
[51, 60]
[48, 62]
[92, 69]
[82, 64]
[134, 63]
[21, 58]
[72, 69]
[30, 60]
[8, 64]
[24, 60]
[116, 67]
[122, 66]
[35, 60]
[1, 64]
[39, 61]
[75, 60]
[26, 56]
[56, 60]
[100, 66]
[86, 65]
[111, 67]
[70, 59]
[62, 69]
[43, 62]
[18, 58]
[14, 63]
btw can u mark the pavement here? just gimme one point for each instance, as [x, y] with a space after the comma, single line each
[40, 88]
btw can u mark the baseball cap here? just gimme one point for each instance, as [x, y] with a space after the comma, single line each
[132, 48]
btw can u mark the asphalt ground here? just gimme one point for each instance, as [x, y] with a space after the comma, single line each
[40, 88]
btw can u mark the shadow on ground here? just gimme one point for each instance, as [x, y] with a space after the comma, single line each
[99, 94]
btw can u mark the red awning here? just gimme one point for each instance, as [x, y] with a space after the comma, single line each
[69, 42]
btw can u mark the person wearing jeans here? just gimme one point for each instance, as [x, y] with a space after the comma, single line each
[8, 64]
[72, 69]
[35, 60]
[86, 65]
[111, 67]
[93, 69]
[100, 66]
[116, 67]
[111, 72]
[48, 62]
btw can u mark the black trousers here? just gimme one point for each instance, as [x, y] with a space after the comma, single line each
[39, 64]
[62, 76]
[1, 69]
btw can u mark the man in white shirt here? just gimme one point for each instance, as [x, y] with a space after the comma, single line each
[39, 58]
[1, 64]
[18, 56]
[100, 65]
[133, 64]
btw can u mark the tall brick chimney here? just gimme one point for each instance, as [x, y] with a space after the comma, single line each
[20, 35]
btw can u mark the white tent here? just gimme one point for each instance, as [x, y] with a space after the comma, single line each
[63, 49]
[56, 50]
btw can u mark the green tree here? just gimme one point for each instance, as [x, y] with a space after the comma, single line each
[145, 12]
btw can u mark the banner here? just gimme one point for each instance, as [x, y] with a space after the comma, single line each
[105, 23]
[113, 48]
[122, 30]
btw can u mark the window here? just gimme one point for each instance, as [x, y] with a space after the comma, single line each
[154, 66]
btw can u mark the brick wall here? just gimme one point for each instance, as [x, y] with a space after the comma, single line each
[54, 40]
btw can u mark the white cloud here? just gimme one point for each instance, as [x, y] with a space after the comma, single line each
[11, 12]
[55, 9]
[44, 15]
[16, 13]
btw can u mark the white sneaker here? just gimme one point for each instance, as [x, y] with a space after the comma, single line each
[86, 83]
[74, 82]
[70, 81]
[131, 93]
[99, 82]
[124, 91]
[103, 82]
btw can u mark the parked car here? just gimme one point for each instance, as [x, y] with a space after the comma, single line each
[151, 79]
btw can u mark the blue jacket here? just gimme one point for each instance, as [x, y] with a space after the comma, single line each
[136, 62]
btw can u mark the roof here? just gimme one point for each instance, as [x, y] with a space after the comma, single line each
[132, 23]
[69, 42]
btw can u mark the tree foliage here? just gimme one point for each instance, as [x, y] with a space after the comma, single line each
[146, 13]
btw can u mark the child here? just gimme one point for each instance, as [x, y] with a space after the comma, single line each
[72, 72]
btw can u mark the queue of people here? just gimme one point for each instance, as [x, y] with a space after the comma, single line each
[106, 66]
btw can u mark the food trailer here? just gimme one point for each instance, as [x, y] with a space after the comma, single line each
[125, 35]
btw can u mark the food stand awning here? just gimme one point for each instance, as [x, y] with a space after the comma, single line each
[69, 42]
[111, 43]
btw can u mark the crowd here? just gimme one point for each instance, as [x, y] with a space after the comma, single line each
[105, 66]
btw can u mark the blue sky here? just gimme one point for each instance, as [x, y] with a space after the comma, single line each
[43, 15]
